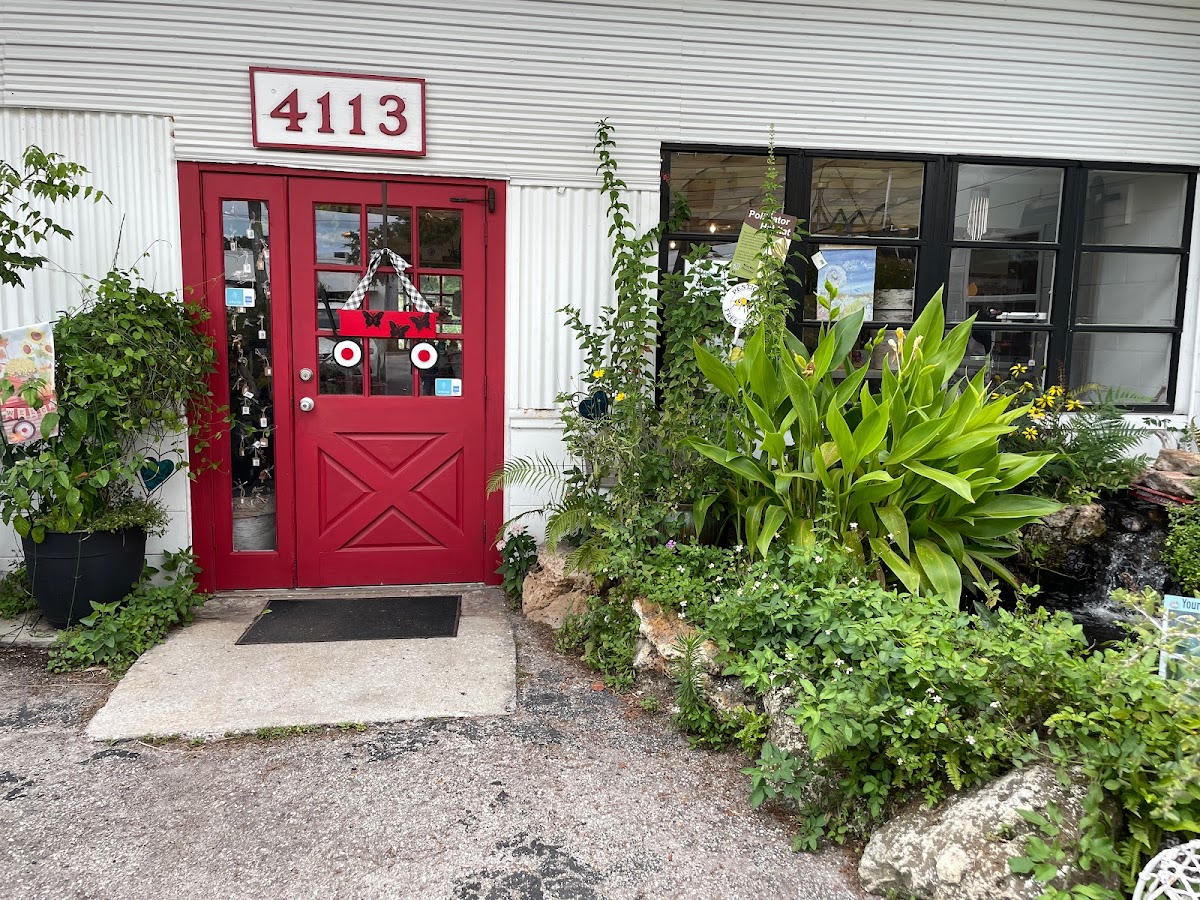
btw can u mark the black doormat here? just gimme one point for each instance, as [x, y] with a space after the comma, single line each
[366, 619]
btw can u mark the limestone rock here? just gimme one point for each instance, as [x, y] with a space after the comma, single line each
[960, 849]
[1077, 524]
[1178, 461]
[785, 734]
[1177, 484]
[662, 629]
[549, 593]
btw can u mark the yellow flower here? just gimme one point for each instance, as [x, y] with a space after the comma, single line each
[1041, 402]
[1019, 369]
[1074, 404]
[620, 396]
[798, 358]
[599, 373]
[735, 354]
[1037, 414]
[1030, 433]
[1055, 391]
[995, 395]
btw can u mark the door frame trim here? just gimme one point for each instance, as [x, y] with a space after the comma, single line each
[204, 503]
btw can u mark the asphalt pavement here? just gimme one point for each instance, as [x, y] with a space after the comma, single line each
[579, 794]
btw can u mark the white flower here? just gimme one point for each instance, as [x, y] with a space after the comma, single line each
[818, 559]
[712, 565]
[681, 569]
[827, 631]
[683, 603]
[929, 690]
[850, 671]
[995, 704]
[838, 663]
[854, 580]
[908, 710]
[854, 526]
[737, 549]
[971, 740]
[937, 698]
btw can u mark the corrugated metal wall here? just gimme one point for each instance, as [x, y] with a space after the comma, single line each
[513, 88]
[559, 254]
[131, 158]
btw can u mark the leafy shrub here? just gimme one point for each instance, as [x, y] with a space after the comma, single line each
[518, 554]
[16, 592]
[606, 636]
[116, 634]
[1182, 550]
[1086, 430]
[909, 476]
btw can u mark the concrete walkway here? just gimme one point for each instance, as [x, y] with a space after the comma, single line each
[201, 683]
[577, 795]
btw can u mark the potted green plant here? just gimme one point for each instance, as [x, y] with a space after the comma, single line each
[131, 368]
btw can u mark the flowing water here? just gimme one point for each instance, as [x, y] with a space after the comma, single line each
[1129, 555]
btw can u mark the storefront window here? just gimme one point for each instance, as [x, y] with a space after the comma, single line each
[1074, 271]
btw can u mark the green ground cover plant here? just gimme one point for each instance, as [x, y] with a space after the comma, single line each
[16, 592]
[116, 634]
[518, 554]
[1181, 552]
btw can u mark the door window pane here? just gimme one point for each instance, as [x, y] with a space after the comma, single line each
[1127, 289]
[1000, 285]
[246, 230]
[1131, 360]
[339, 237]
[444, 294]
[392, 230]
[333, 289]
[1007, 203]
[1137, 209]
[332, 376]
[391, 367]
[439, 232]
[448, 366]
[874, 197]
[720, 188]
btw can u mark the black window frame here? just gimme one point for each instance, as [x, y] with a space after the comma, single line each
[935, 242]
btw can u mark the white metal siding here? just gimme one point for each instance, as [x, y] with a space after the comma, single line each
[559, 253]
[130, 158]
[513, 88]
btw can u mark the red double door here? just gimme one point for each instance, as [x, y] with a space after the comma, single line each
[347, 460]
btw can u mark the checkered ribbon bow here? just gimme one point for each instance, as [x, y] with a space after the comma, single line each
[354, 301]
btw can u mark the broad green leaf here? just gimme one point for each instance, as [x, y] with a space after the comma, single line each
[960, 486]
[773, 518]
[842, 437]
[893, 520]
[1015, 506]
[909, 576]
[941, 571]
[717, 373]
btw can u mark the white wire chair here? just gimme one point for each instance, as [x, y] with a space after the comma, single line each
[1173, 874]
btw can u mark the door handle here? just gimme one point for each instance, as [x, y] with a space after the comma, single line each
[307, 404]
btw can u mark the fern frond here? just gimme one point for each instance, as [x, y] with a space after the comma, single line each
[590, 556]
[535, 472]
[564, 519]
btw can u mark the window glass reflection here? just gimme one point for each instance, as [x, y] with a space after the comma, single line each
[1137, 209]
[867, 197]
[339, 237]
[1000, 285]
[1137, 362]
[719, 188]
[1007, 203]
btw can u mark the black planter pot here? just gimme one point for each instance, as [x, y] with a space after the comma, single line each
[71, 571]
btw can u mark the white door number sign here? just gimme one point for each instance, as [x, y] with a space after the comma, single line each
[298, 110]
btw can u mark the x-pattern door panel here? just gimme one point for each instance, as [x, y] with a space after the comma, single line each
[390, 451]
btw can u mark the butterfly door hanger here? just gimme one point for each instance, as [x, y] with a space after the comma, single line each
[418, 322]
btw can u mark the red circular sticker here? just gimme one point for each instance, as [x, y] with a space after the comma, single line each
[423, 355]
[347, 354]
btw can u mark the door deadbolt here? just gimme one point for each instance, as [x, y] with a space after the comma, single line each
[306, 374]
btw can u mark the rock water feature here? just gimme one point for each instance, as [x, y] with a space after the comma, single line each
[1082, 554]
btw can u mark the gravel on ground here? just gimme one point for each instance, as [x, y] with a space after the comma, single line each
[579, 795]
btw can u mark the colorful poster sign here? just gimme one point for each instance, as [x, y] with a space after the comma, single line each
[751, 241]
[852, 271]
[1181, 623]
[27, 355]
[735, 305]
